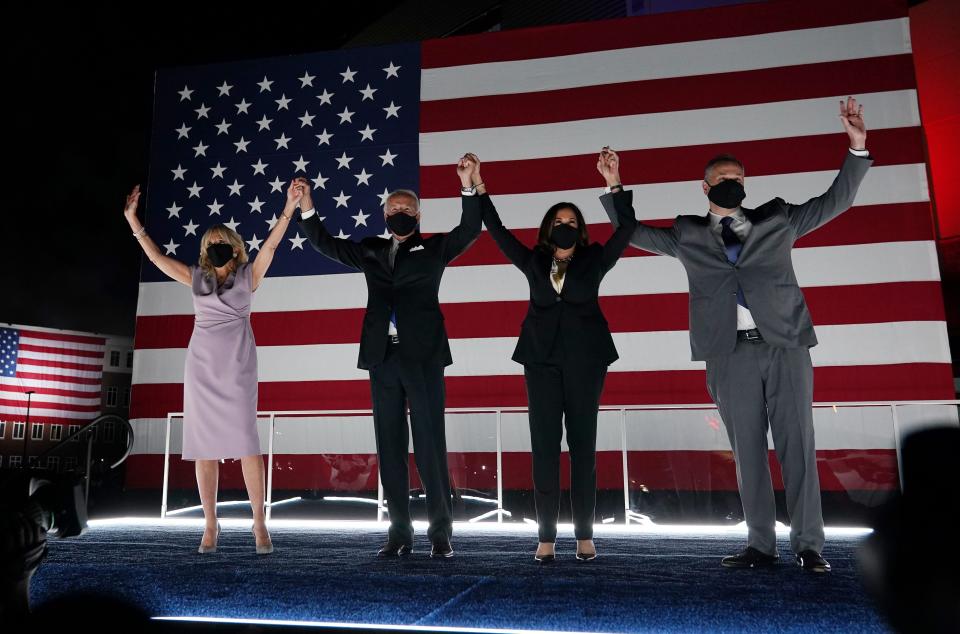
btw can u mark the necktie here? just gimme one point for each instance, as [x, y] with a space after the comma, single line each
[394, 247]
[732, 246]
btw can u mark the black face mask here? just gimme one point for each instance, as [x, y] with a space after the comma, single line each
[219, 254]
[564, 236]
[727, 194]
[402, 224]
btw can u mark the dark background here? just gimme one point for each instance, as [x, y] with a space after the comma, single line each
[80, 84]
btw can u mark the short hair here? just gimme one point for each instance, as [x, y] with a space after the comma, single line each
[720, 159]
[401, 192]
[546, 227]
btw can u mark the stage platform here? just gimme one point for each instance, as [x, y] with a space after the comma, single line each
[646, 579]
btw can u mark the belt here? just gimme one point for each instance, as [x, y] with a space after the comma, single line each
[394, 339]
[749, 335]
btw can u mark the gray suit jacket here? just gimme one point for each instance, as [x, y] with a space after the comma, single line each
[764, 269]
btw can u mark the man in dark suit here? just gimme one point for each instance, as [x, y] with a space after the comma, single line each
[749, 322]
[403, 344]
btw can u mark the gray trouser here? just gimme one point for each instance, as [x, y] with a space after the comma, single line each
[754, 386]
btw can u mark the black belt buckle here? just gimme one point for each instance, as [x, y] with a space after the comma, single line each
[749, 335]
[393, 339]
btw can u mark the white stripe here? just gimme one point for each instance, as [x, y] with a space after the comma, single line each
[750, 122]
[887, 184]
[65, 345]
[815, 266]
[655, 430]
[859, 344]
[63, 357]
[40, 413]
[47, 398]
[32, 367]
[39, 383]
[723, 55]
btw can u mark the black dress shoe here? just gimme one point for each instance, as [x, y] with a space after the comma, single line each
[441, 549]
[812, 560]
[394, 550]
[749, 557]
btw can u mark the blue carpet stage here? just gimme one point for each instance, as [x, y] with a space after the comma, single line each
[645, 579]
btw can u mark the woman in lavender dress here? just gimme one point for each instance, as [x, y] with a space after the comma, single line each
[220, 375]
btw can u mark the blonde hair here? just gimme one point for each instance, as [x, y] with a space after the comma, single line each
[233, 239]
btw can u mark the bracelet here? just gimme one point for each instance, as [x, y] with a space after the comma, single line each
[287, 217]
[617, 186]
[142, 231]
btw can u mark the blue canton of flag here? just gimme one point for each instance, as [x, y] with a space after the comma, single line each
[9, 347]
[228, 139]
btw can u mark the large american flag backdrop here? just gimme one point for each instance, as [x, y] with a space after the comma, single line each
[762, 81]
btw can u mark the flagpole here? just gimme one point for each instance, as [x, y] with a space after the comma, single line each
[26, 430]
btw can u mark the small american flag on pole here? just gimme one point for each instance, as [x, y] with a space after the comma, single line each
[62, 370]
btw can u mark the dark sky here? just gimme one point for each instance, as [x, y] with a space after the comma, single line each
[80, 84]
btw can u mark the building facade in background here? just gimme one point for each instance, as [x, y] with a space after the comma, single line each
[52, 383]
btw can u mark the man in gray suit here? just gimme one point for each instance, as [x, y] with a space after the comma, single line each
[750, 323]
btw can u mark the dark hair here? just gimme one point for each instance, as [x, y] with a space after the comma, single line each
[546, 227]
[719, 159]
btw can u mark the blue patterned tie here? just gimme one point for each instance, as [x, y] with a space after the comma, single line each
[732, 246]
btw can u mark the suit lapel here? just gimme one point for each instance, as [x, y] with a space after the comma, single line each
[713, 240]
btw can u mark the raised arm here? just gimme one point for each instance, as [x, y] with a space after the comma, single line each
[464, 234]
[516, 251]
[341, 250]
[269, 246]
[174, 269]
[619, 207]
[840, 196]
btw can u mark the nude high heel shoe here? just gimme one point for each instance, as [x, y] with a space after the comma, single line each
[204, 550]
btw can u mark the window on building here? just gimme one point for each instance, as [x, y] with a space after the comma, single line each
[107, 433]
[33, 462]
[19, 429]
[53, 463]
[129, 358]
[56, 432]
[69, 463]
[3, 429]
[125, 397]
[15, 462]
[112, 396]
[1, 460]
[114, 358]
[36, 431]
[72, 430]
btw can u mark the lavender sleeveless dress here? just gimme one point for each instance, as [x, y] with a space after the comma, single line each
[220, 375]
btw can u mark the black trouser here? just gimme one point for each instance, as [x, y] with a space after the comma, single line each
[393, 385]
[568, 393]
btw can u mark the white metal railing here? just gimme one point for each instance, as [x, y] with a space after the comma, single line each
[499, 512]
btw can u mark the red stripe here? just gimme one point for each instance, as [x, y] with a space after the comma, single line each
[830, 305]
[704, 471]
[896, 382]
[66, 365]
[49, 391]
[680, 26]
[67, 351]
[54, 336]
[869, 224]
[823, 152]
[42, 376]
[808, 81]
[5, 402]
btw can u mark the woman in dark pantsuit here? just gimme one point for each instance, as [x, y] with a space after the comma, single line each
[565, 347]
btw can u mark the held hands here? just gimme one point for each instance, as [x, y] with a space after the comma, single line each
[851, 114]
[299, 194]
[608, 164]
[468, 169]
